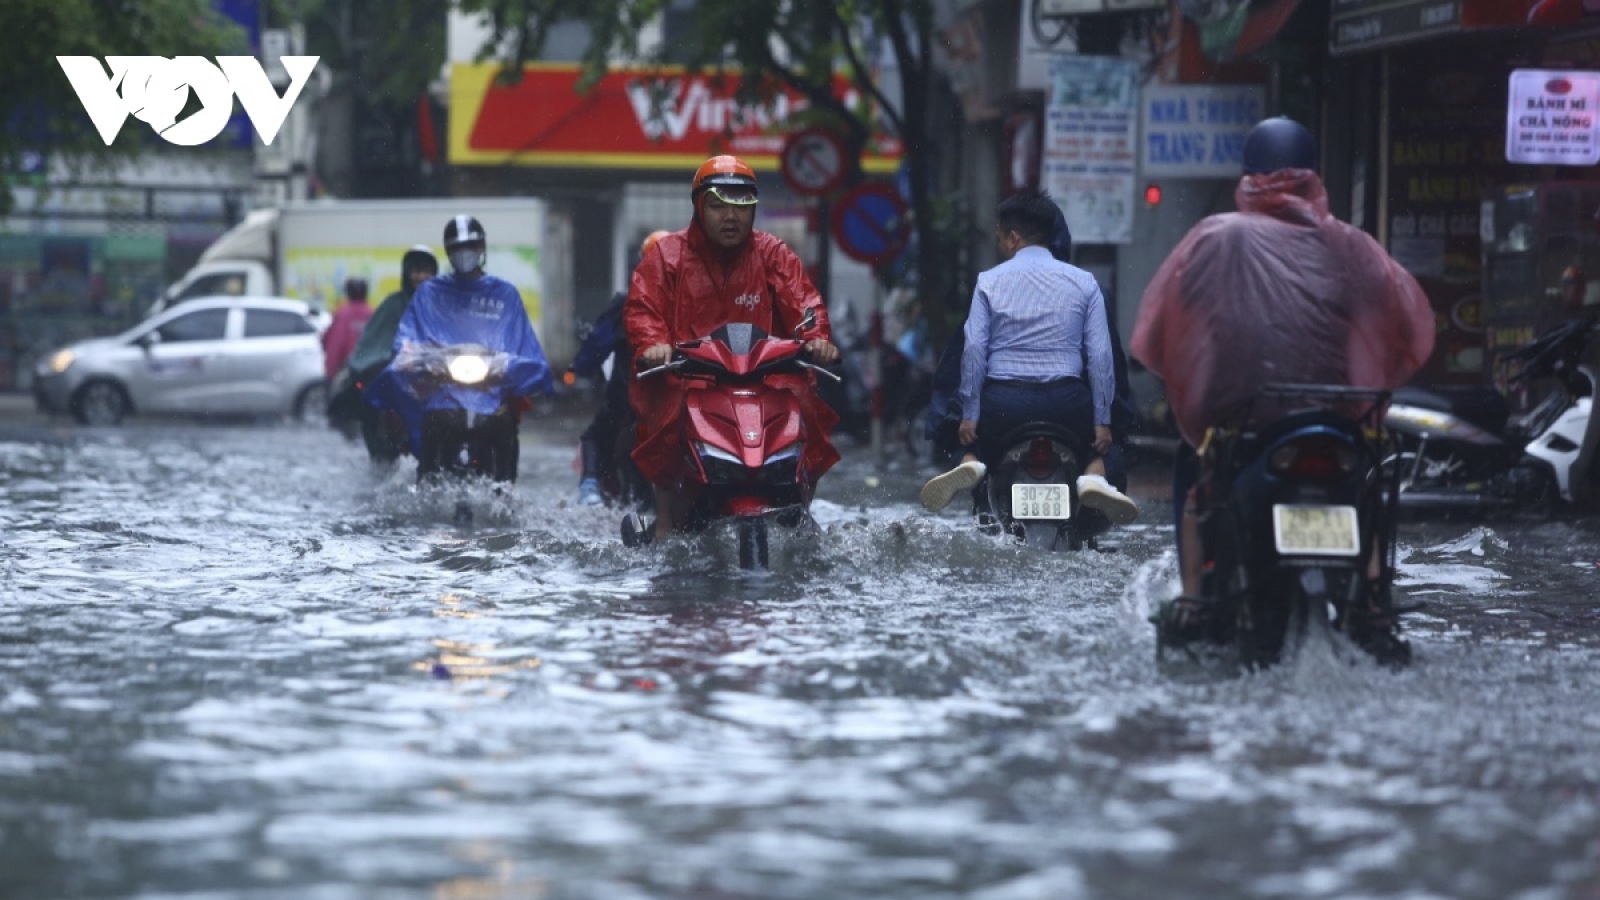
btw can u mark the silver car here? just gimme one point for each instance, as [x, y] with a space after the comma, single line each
[213, 356]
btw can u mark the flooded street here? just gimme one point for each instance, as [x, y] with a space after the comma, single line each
[239, 663]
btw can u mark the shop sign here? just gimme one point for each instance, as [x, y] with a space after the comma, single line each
[1553, 118]
[643, 119]
[1363, 24]
[1080, 7]
[1090, 158]
[1197, 131]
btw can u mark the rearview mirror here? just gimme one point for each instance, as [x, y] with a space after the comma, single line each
[148, 339]
[808, 322]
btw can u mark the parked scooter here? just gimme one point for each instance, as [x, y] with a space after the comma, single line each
[1461, 448]
[1033, 489]
[745, 437]
[1291, 516]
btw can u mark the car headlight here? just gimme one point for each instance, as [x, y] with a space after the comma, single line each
[60, 361]
[468, 369]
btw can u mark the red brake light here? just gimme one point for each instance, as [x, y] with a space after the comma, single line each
[1040, 461]
[1313, 459]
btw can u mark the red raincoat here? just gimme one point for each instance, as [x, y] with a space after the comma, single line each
[685, 288]
[1280, 291]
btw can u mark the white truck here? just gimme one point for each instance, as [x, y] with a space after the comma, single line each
[308, 250]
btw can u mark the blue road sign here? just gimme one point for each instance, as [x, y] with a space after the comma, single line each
[871, 223]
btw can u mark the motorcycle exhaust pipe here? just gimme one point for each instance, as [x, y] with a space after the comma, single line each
[1447, 499]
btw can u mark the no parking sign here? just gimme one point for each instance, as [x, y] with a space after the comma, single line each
[872, 224]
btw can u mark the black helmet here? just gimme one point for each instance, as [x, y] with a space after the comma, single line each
[464, 230]
[1280, 143]
[418, 257]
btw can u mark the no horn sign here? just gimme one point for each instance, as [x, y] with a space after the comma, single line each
[872, 224]
[813, 162]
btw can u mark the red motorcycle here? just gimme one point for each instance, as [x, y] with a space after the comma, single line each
[745, 437]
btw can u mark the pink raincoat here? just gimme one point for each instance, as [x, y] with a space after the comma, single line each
[340, 340]
[1280, 291]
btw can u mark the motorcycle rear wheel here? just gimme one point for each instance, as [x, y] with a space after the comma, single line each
[1266, 614]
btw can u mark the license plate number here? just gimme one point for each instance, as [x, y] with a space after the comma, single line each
[1316, 530]
[1040, 501]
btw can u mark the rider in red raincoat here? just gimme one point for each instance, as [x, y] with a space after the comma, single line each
[716, 271]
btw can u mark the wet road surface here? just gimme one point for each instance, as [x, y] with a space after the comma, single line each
[238, 663]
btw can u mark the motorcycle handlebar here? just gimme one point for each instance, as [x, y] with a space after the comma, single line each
[678, 361]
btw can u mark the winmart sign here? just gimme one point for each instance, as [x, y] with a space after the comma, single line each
[155, 90]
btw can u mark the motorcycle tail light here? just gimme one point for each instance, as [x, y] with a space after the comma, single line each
[1041, 460]
[1313, 459]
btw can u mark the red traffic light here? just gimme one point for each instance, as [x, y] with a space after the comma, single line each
[1152, 195]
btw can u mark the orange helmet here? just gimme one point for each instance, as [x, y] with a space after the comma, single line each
[650, 241]
[729, 178]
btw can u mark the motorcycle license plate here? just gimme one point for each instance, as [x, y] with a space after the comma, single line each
[1040, 501]
[1316, 530]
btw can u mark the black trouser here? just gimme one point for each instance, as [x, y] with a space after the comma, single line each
[1008, 405]
[598, 442]
[493, 442]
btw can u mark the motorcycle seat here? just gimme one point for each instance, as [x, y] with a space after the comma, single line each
[1027, 431]
[1484, 407]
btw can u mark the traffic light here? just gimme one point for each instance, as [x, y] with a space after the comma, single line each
[1152, 195]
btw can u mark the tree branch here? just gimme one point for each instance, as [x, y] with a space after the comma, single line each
[820, 95]
[862, 78]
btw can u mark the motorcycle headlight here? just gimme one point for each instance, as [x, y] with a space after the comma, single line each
[60, 361]
[710, 452]
[468, 369]
[785, 454]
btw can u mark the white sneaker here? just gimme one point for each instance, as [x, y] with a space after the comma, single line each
[941, 489]
[1097, 493]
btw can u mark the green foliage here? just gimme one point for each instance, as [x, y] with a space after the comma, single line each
[388, 51]
[37, 102]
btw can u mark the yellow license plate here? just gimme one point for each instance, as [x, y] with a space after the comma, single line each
[1041, 501]
[1316, 530]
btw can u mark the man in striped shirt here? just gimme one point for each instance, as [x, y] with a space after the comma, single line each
[1032, 322]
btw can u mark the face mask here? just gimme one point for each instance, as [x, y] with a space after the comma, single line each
[466, 260]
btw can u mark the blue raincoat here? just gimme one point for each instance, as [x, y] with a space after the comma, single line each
[448, 310]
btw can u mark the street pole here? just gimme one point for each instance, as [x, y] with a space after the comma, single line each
[875, 370]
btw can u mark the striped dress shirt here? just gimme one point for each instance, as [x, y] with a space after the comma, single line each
[1032, 319]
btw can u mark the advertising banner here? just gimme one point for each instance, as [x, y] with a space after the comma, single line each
[655, 119]
[1089, 155]
[1553, 118]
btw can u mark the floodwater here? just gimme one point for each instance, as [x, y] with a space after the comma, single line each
[235, 662]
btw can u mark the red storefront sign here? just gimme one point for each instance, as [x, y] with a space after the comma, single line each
[629, 119]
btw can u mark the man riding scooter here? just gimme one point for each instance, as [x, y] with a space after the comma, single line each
[467, 308]
[1037, 348]
[717, 271]
[1278, 292]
